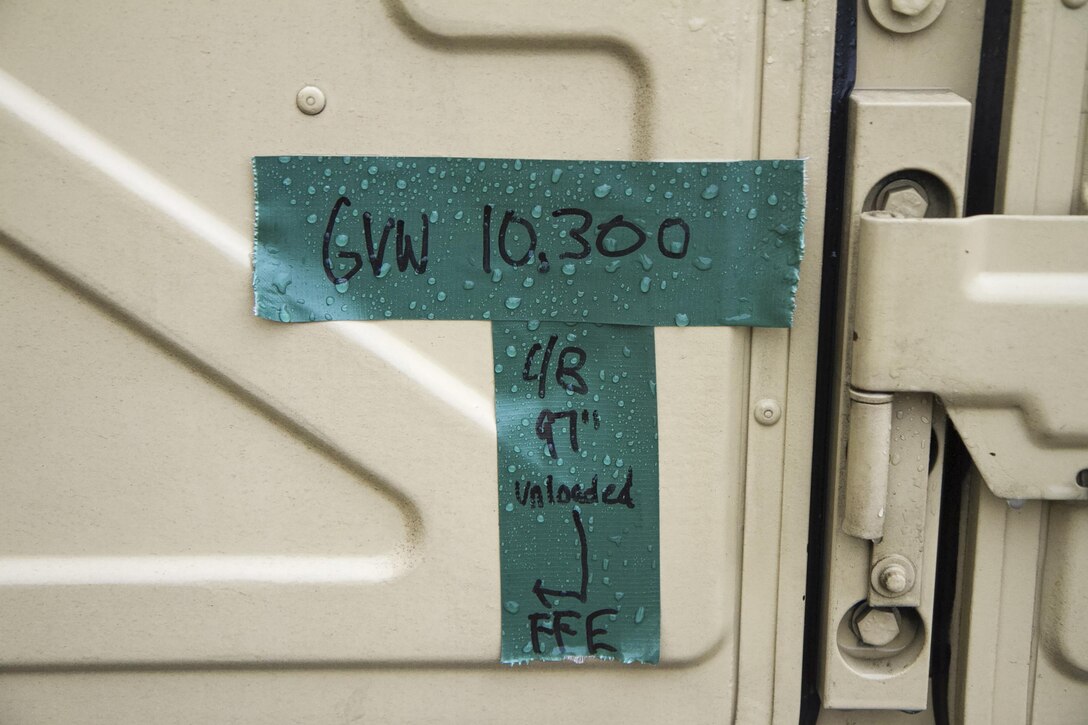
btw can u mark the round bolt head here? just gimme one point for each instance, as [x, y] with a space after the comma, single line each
[767, 412]
[877, 627]
[905, 16]
[892, 576]
[910, 8]
[310, 100]
[894, 579]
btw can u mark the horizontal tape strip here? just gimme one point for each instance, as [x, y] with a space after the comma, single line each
[636, 243]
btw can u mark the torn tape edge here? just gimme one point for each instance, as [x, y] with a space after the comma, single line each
[256, 238]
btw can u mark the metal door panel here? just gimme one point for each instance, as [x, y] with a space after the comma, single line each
[1061, 672]
[341, 418]
[198, 492]
[1020, 651]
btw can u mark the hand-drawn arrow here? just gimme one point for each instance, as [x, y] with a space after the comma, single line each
[538, 588]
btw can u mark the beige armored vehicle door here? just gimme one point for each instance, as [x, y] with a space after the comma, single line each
[208, 517]
[1022, 651]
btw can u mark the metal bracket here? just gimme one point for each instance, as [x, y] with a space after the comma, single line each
[991, 314]
[887, 491]
[907, 155]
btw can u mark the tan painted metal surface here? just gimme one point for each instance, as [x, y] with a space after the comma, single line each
[194, 531]
[1014, 638]
[1012, 291]
[1020, 653]
[932, 130]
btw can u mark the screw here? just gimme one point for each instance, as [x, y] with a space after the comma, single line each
[310, 100]
[767, 411]
[875, 627]
[910, 8]
[905, 198]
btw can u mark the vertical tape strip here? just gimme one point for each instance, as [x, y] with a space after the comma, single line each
[576, 408]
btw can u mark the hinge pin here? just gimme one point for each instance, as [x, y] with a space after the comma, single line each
[867, 447]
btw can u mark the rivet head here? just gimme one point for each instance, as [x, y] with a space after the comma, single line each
[310, 100]
[767, 411]
[1074, 4]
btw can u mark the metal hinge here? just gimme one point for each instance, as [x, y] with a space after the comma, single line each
[990, 314]
[985, 319]
[907, 156]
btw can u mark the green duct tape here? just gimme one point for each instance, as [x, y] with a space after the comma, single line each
[637, 243]
[576, 409]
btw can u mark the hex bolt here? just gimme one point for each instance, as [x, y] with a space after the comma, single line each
[310, 100]
[875, 627]
[910, 8]
[905, 198]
